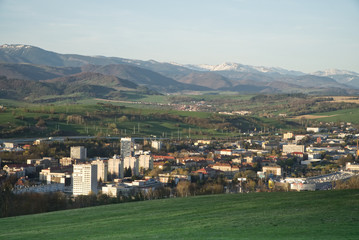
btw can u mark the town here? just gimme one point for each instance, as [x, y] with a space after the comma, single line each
[320, 158]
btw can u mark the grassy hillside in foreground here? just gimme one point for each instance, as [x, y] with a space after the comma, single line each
[286, 215]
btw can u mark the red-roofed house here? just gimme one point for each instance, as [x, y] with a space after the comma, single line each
[160, 157]
[207, 172]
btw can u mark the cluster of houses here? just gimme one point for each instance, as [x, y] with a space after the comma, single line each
[79, 175]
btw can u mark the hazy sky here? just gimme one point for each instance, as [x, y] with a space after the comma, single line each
[305, 35]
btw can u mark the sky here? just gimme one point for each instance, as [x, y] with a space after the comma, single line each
[302, 35]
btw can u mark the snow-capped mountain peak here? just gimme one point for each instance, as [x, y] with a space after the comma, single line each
[237, 67]
[332, 71]
[14, 46]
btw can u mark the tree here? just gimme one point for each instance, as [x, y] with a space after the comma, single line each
[183, 188]
[343, 160]
[128, 172]
[41, 123]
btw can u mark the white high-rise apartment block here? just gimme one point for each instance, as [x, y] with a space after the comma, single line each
[79, 152]
[84, 179]
[156, 145]
[126, 147]
[102, 169]
[133, 163]
[145, 162]
[115, 166]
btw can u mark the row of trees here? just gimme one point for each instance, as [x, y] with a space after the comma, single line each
[31, 203]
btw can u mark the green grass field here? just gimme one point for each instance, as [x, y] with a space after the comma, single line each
[286, 215]
[346, 115]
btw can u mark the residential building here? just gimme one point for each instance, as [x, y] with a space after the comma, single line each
[207, 172]
[275, 170]
[84, 179]
[288, 135]
[20, 170]
[168, 178]
[293, 148]
[116, 166]
[114, 190]
[126, 147]
[102, 169]
[78, 153]
[156, 145]
[9, 145]
[44, 163]
[226, 168]
[43, 188]
[314, 129]
[145, 162]
[133, 163]
[352, 167]
[224, 152]
[202, 142]
[299, 137]
[57, 175]
[269, 145]
[66, 161]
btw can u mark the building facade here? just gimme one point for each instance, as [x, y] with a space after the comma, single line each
[84, 179]
[145, 162]
[156, 145]
[102, 169]
[133, 163]
[115, 166]
[126, 147]
[78, 152]
[293, 148]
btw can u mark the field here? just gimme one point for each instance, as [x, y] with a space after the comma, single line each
[349, 99]
[109, 119]
[346, 115]
[286, 215]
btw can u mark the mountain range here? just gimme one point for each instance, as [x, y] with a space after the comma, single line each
[109, 74]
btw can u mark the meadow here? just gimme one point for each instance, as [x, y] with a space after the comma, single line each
[345, 115]
[277, 215]
[103, 118]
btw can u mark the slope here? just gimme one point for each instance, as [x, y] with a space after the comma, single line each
[142, 76]
[25, 89]
[34, 72]
[281, 215]
[87, 78]
[206, 79]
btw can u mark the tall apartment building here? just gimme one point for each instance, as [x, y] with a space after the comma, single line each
[156, 145]
[115, 166]
[78, 153]
[102, 169]
[84, 179]
[145, 162]
[133, 163]
[126, 147]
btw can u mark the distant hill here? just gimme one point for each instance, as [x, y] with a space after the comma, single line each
[21, 89]
[82, 84]
[18, 53]
[142, 76]
[96, 79]
[171, 77]
[207, 79]
[35, 72]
